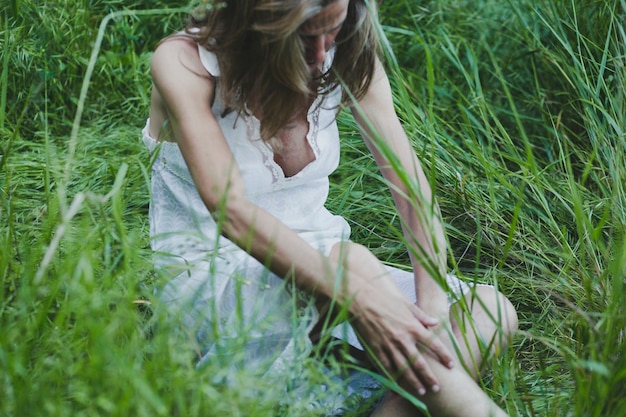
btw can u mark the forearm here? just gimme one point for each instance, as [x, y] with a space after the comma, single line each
[383, 133]
[419, 215]
[424, 236]
[285, 253]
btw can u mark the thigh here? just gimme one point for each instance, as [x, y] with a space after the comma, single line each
[357, 258]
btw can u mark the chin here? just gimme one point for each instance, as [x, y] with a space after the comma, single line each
[315, 70]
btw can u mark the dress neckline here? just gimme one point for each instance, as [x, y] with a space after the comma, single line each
[278, 174]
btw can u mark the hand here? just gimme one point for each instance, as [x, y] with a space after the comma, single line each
[400, 337]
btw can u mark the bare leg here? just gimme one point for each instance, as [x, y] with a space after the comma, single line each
[487, 320]
[487, 323]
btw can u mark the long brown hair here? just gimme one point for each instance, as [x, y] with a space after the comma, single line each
[262, 60]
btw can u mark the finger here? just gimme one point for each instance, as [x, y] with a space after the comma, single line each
[379, 357]
[411, 377]
[441, 352]
[424, 318]
[429, 341]
[384, 362]
[420, 366]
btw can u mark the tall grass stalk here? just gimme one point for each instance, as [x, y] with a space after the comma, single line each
[515, 108]
[541, 193]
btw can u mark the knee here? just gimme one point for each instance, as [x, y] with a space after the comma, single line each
[499, 309]
[357, 258]
[342, 252]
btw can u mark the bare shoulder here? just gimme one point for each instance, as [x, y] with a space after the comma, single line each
[183, 89]
[379, 87]
[178, 75]
[176, 60]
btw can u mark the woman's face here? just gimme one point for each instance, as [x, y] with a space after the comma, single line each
[319, 32]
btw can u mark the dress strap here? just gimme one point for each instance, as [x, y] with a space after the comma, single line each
[209, 61]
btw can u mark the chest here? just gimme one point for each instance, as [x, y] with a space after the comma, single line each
[309, 148]
[293, 151]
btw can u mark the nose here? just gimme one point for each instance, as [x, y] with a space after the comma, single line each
[317, 48]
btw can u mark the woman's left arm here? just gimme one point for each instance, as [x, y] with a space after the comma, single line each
[412, 194]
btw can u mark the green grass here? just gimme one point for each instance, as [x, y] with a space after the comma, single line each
[517, 110]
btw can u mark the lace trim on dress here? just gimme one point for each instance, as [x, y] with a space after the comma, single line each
[253, 126]
[313, 118]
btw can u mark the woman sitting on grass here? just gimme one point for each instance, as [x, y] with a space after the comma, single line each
[243, 119]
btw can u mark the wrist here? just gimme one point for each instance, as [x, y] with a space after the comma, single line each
[434, 303]
[429, 295]
[357, 299]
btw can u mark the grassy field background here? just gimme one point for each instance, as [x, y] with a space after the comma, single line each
[516, 108]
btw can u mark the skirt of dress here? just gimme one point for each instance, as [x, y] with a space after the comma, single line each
[244, 317]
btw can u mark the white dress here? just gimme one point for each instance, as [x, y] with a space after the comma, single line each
[220, 293]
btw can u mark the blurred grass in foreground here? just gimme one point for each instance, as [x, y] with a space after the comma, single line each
[517, 110]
